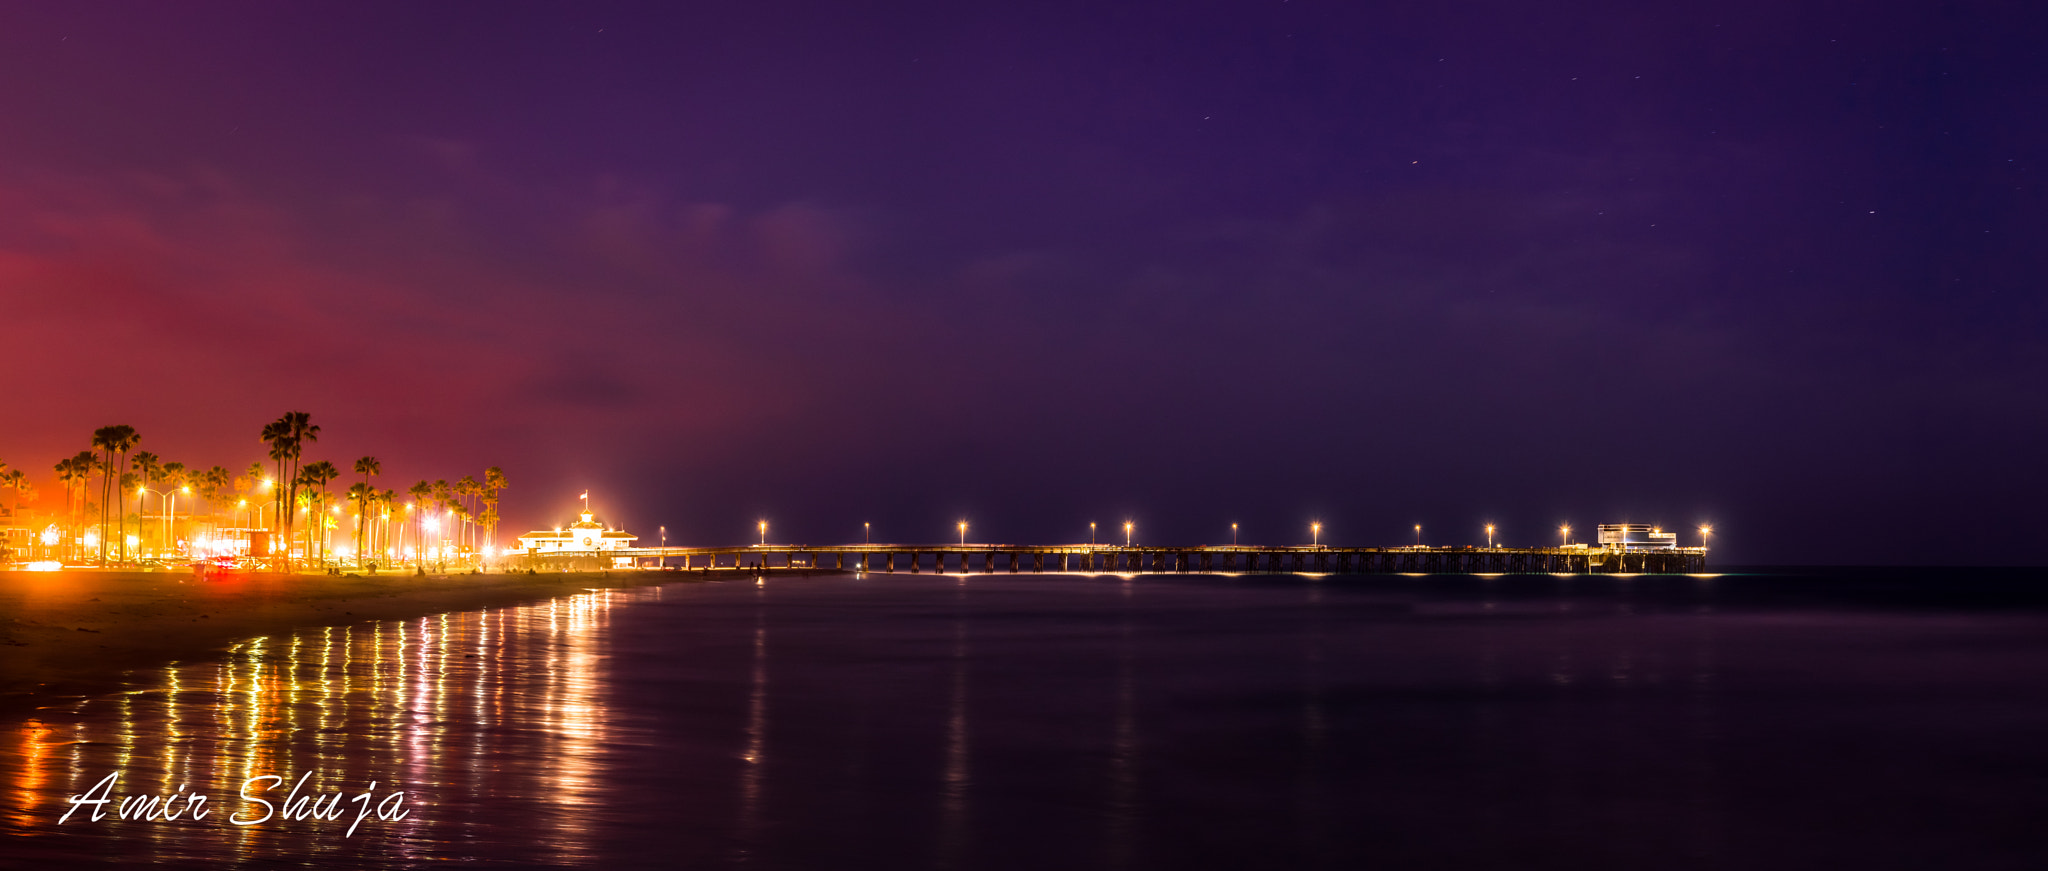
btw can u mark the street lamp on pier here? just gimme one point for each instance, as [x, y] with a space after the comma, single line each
[1706, 529]
[866, 533]
[1233, 535]
[1127, 533]
[1091, 533]
[963, 535]
[1418, 535]
[1315, 534]
[764, 533]
[1489, 536]
[1566, 531]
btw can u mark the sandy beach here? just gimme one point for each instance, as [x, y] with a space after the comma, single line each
[71, 632]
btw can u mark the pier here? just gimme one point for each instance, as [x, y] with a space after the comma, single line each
[1118, 559]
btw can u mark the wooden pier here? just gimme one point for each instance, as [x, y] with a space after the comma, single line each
[1115, 559]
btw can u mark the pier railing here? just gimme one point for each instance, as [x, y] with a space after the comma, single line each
[1117, 559]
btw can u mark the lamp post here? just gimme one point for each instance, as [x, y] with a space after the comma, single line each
[1315, 534]
[1489, 536]
[764, 533]
[1418, 535]
[273, 505]
[1091, 533]
[1566, 531]
[1233, 535]
[1127, 533]
[866, 533]
[1706, 529]
[171, 522]
[963, 535]
[138, 508]
[258, 511]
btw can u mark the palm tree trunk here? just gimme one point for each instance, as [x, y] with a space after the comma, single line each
[106, 487]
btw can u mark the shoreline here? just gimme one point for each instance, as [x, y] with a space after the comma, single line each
[71, 633]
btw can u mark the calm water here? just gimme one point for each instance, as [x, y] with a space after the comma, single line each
[1869, 720]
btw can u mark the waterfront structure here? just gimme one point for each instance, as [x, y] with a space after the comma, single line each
[1636, 536]
[1122, 559]
[584, 538]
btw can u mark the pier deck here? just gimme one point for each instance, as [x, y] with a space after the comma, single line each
[1117, 559]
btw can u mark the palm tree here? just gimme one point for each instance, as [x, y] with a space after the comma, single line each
[366, 467]
[494, 483]
[277, 435]
[17, 480]
[468, 490]
[463, 517]
[147, 467]
[317, 475]
[64, 479]
[128, 483]
[175, 479]
[112, 440]
[103, 441]
[287, 437]
[211, 484]
[388, 498]
[361, 496]
[132, 438]
[302, 430]
[444, 498]
[420, 492]
[75, 473]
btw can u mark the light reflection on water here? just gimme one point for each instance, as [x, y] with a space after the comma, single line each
[1103, 722]
[460, 711]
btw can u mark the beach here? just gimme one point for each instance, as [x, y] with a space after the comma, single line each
[77, 631]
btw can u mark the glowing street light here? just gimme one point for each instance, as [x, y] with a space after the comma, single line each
[1706, 529]
[164, 537]
[963, 535]
[1566, 531]
[258, 510]
[764, 533]
[1091, 533]
[1489, 536]
[866, 533]
[1127, 533]
[1418, 535]
[1315, 533]
[1233, 535]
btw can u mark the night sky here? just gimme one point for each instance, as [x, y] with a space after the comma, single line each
[1777, 266]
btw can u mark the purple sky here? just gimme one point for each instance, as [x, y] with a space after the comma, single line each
[1778, 266]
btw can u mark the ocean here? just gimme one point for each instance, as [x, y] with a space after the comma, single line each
[1875, 719]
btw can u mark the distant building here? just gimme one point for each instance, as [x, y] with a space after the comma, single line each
[1636, 536]
[585, 535]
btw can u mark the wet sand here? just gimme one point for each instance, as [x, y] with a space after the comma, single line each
[72, 632]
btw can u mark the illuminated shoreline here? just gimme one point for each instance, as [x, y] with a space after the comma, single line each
[79, 631]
